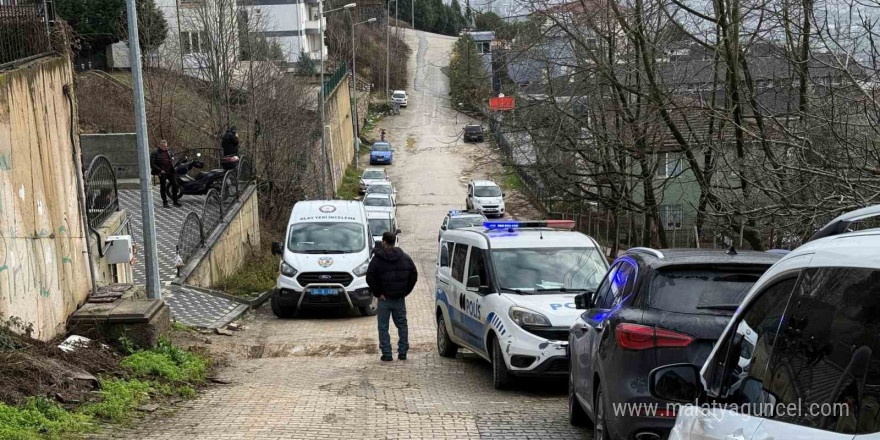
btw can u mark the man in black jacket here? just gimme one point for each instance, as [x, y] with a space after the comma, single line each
[229, 142]
[162, 165]
[391, 277]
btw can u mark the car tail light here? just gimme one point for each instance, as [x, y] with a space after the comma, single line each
[642, 337]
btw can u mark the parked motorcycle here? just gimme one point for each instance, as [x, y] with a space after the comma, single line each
[198, 182]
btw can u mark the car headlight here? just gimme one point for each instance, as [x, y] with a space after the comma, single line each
[362, 269]
[526, 317]
[287, 270]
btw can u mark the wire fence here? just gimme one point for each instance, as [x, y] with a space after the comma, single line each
[102, 197]
[334, 80]
[25, 29]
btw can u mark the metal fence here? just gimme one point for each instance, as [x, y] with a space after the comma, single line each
[212, 211]
[102, 197]
[25, 30]
[334, 80]
[245, 170]
[229, 187]
[191, 238]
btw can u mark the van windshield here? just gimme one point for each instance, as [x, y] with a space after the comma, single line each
[326, 238]
[548, 270]
[487, 191]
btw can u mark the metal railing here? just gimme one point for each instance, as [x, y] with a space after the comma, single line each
[191, 238]
[229, 187]
[334, 80]
[25, 30]
[245, 170]
[212, 211]
[102, 197]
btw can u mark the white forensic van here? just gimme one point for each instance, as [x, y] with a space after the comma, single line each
[506, 291]
[324, 258]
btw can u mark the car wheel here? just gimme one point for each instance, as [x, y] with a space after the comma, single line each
[600, 428]
[280, 310]
[576, 414]
[371, 309]
[501, 377]
[445, 346]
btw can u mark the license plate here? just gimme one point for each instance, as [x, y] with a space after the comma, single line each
[323, 292]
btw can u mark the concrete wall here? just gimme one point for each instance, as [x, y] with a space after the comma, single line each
[228, 251]
[44, 272]
[340, 137]
[119, 148]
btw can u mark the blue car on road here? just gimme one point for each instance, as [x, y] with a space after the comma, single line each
[381, 153]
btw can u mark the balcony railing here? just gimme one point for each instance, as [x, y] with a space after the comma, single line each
[25, 29]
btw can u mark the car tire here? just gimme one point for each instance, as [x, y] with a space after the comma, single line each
[600, 427]
[576, 414]
[371, 309]
[445, 346]
[281, 311]
[501, 377]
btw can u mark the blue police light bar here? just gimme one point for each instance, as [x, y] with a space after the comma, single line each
[501, 225]
[454, 212]
[513, 224]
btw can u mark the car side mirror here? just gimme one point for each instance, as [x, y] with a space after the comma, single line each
[397, 231]
[502, 194]
[473, 283]
[677, 383]
[582, 300]
[442, 228]
[277, 248]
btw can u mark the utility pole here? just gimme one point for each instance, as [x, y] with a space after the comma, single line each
[412, 6]
[387, 51]
[151, 261]
[321, 104]
[355, 120]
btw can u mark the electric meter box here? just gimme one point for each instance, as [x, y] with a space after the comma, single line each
[118, 249]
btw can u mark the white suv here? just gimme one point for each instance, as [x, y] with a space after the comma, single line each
[797, 359]
[486, 197]
[506, 292]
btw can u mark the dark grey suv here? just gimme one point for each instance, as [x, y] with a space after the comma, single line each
[654, 307]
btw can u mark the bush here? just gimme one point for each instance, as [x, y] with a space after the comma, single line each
[349, 190]
[167, 362]
[40, 418]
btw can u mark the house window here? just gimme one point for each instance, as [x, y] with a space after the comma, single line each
[671, 215]
[669, 165]
[194, 42]
[483, 47]
[313, 13]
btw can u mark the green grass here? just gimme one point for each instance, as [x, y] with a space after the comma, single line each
[119, 398]
[348, 190]
[40, 418]
[511, 179]
[182, 327]
[167, 362]
[258, 275]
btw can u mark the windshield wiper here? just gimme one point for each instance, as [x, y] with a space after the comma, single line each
[720, 307]
[562, 289]
[517, 291]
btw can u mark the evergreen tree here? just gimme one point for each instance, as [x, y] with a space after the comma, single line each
[305, 65]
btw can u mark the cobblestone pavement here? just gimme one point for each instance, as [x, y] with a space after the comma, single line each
[168, 223]
[318, 376]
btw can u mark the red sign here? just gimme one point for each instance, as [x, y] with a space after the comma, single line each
[501, 103]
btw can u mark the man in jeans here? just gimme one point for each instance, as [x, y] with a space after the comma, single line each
[391, 277]
[162, 164]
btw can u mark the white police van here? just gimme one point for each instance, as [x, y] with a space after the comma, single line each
[324, 258]
[506, 291]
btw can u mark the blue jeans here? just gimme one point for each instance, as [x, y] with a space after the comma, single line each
[394, 308]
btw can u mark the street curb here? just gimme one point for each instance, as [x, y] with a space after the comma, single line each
[251, 303]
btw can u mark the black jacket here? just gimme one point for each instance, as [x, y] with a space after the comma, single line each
[391, 273]
[229, 144]
[159, 164]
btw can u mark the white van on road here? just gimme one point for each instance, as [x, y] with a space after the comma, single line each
[506, 291]
[324, 258]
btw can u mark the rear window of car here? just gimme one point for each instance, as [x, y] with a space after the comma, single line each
[473, 128]
[399, 95]
[701, 291]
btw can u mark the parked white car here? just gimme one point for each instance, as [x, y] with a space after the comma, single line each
[383, 187]
[380, 202]
[399, 97]
[371, 176]
[797, 360]
[485, 197]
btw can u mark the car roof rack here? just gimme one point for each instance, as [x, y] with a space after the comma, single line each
[842, 223]
[646, 250]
